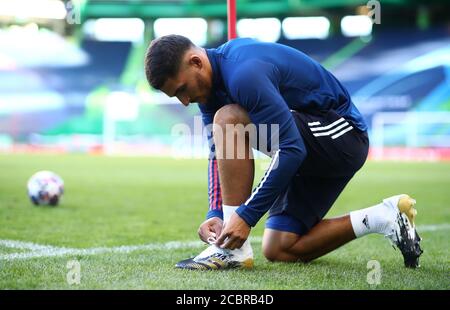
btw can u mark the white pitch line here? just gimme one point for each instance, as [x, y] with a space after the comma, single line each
[49, 251]
[433, 227]
[38, 250]
[24, 245]
[52, 251]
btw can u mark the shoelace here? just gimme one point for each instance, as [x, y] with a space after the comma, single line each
[211, 240]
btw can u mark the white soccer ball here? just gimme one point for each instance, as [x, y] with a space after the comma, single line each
[45, 188]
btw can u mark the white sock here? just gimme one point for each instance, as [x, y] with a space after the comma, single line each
[227, 213]
[374, 219]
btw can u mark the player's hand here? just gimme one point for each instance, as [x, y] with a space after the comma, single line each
[210, 229]
[234, 233]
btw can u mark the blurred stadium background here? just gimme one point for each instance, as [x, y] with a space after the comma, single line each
[71, 72]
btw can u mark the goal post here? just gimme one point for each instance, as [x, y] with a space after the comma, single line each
[411, 123]
[231, 14]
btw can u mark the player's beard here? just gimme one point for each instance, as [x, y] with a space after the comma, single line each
[203, 88]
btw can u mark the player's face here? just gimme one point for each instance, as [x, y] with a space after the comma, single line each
[191, 84]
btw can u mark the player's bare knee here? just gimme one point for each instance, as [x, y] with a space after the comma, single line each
[231, 114]
[277, 255]
[270, 253]
[273, 245]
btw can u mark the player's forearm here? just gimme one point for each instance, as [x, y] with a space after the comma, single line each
[283, 167]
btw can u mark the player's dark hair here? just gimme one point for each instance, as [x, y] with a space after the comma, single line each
[163, 58]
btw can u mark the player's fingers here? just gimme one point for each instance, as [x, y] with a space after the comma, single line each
[212, 234]
[239, 243]
[221, 238]
[230, 246]
[200, 233]
[204, 233]
[234, 245]
[212, 237]
[217, 229]
[229, 243]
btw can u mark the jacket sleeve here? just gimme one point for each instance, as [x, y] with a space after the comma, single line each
[255, 87]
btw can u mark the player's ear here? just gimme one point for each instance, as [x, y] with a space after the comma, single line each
[196, 61]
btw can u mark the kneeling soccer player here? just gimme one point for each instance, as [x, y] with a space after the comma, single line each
[315, 135]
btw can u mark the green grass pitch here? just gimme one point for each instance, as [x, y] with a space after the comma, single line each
[112, 201]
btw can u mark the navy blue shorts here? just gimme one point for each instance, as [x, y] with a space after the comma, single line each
[336, 150]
